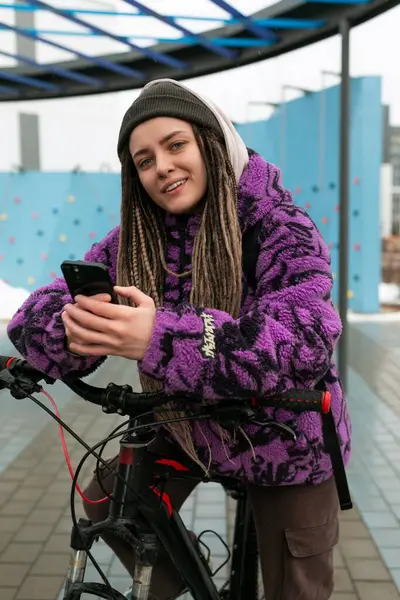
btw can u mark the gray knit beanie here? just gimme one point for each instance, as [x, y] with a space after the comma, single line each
[166, 99]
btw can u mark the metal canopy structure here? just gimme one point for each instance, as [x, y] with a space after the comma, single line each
[241, 40]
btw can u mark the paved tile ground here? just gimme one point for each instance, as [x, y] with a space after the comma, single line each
[34, 483]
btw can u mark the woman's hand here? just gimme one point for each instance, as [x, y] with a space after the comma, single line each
[95, 327]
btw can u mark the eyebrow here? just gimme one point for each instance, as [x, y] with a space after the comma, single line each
[162, 141]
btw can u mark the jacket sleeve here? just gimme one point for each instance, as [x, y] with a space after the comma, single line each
[37, 330]
[284, 339]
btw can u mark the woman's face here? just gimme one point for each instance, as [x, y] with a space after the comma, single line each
[168, 161]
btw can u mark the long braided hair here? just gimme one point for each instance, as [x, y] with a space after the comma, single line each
[217, 254]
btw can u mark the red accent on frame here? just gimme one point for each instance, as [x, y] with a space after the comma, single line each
[172, 463]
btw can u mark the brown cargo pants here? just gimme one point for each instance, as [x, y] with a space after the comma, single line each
[297, 528]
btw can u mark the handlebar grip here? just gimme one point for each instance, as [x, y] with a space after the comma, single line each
[299, 400]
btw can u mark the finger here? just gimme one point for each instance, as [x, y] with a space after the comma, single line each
[71, 338]
[88, 320]
[102, 309]
[64, 320]
[71, 350]
[68, 334]
[88, 350]
[101, 297]
[134, 294]
[78, 333]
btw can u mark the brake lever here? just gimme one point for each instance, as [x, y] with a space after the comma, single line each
[20, 387]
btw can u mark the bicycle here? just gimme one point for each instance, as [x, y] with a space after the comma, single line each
[141, 512]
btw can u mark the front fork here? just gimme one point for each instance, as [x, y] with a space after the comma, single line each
[144, 564]
[78, 560]
[123, 511]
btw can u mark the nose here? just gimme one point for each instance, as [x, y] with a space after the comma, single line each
[164, 165]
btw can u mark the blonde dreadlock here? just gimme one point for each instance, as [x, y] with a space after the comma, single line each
[217, 253]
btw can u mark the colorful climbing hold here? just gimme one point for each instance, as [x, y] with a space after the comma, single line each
[297, 190]
[334, 276]
[71, 199]
[53, 275]
[35, 216]
[357, 247]
[332, 185]
[350, 294]
[11, 239]
[356, 180]
[1, 256]
[17, 200]
[356, 213]
[356, 278]
[31, 280]
[3, 217]
[62, 238]
[325, 220]
[331, 246]
[315, 188]
[43, 256]
[92, 235]
[337, 207]
[307, 205]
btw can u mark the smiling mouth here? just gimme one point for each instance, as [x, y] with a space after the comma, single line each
[175, 185]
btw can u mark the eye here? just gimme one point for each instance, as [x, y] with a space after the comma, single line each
[177, 145]
[145, 163]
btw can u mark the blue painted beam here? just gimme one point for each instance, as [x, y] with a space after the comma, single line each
[264, 34]
[152, 54]
[230, 42]
[201, 40]
[5, 89]
[291, 23]
[30, 81]
[51, 69]
[101, 62]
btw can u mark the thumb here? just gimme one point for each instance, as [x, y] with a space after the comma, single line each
[134, 294]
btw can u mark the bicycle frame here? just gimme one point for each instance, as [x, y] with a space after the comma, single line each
[147, 512]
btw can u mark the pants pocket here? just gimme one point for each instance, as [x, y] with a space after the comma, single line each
[308, 562]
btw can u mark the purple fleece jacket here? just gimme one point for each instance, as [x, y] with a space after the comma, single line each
[284, 337]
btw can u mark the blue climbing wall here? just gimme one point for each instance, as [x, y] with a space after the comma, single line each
[302, 138]
[46, 218]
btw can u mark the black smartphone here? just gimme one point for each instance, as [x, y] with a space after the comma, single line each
[88, 279]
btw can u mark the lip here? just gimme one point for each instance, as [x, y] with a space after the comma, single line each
[166, 186]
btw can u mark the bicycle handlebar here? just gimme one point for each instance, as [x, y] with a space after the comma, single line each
[124, 401]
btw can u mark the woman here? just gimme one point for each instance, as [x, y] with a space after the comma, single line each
[190, 192]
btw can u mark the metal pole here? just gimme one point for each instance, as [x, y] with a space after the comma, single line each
[344, 200]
